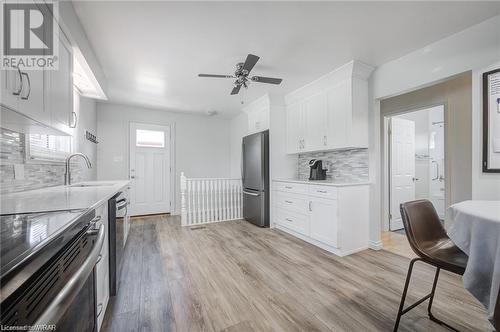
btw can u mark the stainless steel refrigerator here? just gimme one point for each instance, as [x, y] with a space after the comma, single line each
[255, 177]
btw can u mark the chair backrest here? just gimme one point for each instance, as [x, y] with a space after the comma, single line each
[422, 225]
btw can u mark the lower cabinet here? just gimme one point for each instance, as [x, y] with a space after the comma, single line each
[102, 268]
[324, 221]
[333, 218]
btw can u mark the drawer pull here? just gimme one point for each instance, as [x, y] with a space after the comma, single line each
[322, 191]
[289, 202]
[288, 219]
[288, 187]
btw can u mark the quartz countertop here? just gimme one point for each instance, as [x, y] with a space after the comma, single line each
[83, 195]
[323, 182]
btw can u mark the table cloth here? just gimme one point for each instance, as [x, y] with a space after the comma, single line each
[476, 230]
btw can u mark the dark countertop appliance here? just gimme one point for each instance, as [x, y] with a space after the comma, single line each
[117, 212]
[316, 171]
[255, 177]
[48, 269]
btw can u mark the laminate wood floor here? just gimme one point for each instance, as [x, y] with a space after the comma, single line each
[236, 277]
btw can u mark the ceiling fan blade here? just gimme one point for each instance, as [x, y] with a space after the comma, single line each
[214, 75]
[250, 62]
[270, 80]
[235, 90]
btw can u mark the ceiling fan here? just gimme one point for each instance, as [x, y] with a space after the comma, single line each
[241, 74]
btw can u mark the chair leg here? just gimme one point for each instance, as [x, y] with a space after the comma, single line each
[429, 307]
[405, 290]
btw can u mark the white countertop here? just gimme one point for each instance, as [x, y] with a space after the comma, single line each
[324, 182]
[61, 197]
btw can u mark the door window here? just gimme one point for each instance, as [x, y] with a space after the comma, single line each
[149, 138]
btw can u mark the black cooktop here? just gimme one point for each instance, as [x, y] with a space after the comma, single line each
[22, 235]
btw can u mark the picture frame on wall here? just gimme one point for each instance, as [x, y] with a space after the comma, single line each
[491, 121]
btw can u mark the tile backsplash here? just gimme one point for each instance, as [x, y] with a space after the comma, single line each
[37, 174]
[342, 166]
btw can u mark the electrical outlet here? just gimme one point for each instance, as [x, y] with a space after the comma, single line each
[19, 171]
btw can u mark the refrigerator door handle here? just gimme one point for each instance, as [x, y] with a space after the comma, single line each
[249, 193]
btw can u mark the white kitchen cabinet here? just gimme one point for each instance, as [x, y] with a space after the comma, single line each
[338, 115]
[331, 217]
[102, 268]
[11, 88]
[330, 113]
[295, 128]
[43, 95]
[324, 220]
[315, 112]
[22, 91]
[59, 89]
[258, 115]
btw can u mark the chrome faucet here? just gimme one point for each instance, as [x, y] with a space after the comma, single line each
[67, 174]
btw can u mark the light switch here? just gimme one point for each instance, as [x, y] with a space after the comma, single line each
[19, 171]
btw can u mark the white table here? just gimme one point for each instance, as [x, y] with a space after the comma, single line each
[476, 230]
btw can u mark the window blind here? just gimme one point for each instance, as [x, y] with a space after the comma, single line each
[48, 147]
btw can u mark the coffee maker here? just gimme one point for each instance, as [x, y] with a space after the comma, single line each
[316, 170]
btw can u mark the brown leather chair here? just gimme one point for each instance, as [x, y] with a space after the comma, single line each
[429, 241]
[496, 314]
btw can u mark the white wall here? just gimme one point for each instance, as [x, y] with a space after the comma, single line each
[474, 48]
[238, 127]
[202, 143]
[485, 186]
[87, 120]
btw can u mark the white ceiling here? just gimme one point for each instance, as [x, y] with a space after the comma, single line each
[151, 52]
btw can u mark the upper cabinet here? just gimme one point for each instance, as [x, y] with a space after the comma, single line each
[258, 114]
[58, 88]
[43, 95]
[331, 112]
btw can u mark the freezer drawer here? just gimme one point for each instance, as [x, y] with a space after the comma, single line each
[255, 207]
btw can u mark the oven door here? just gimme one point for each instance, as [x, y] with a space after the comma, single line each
[73, 308]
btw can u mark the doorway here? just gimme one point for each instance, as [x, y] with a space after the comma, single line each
[415, 147]
[150, 169]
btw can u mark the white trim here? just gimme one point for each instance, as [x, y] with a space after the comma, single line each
[376, 245]
[333, 250]
[385, 155]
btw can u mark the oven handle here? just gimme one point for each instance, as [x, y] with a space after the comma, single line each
[63, 300]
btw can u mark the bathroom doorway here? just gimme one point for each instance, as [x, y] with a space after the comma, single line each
[416, 153]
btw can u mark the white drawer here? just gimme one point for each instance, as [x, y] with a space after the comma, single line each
[294, 221]
[291, 187]
[292, 202]
[323, 191]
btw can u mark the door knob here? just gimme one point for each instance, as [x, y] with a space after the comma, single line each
[414, 179]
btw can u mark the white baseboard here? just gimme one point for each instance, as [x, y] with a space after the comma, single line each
[376, 245]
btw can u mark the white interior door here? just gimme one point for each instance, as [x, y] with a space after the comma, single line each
[402, 168]
[149, 169]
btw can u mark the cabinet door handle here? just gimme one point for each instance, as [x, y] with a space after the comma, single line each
[288, 187]
[310, 206]
[321, 191]
[289, 202]
[288, 219]
[29, 86]
[18, 92]
[324, 140]
[74, 121]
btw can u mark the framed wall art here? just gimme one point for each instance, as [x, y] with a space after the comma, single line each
[491, 121]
